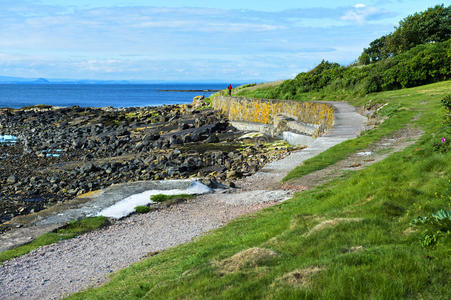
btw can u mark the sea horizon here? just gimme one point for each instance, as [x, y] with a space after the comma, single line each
[17, 95]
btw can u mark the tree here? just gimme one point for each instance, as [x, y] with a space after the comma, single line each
[377, 50]
[364, 59]
[430, 26]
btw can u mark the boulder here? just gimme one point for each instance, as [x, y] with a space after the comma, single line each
[11, 179]
[198, 102]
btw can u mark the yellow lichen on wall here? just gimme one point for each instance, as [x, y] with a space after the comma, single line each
[264, 111]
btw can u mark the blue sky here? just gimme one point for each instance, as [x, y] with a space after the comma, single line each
[188, 40]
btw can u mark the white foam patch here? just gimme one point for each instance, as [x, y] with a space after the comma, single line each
[127, 206]
[365, 153]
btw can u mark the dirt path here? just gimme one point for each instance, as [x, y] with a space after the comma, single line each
[60, 269]
[362, 159]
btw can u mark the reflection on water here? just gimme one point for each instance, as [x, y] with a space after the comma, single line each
[53, 152]
[8, 139]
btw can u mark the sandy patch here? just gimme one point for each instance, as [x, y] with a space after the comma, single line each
[301, 278]
[250, 257]
[331, 223]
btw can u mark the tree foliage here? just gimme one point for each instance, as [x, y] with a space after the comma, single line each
[430, 26]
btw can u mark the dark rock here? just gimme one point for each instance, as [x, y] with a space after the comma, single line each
[87, 168]
[212, 139]
[11, 179]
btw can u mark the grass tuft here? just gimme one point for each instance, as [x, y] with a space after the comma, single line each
[69, 231]
[164, 198]
[142, 209]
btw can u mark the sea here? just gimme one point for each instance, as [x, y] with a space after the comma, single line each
[102, 95]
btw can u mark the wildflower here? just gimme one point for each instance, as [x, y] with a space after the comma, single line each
[443, 140]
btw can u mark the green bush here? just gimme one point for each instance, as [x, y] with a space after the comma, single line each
[443, 135]
[159, 198]
[437, 225]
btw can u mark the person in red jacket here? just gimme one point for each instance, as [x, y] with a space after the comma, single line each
[230, 90]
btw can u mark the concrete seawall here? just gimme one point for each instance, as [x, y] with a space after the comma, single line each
[308, 118]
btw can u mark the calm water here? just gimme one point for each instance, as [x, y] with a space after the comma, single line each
[99, 95]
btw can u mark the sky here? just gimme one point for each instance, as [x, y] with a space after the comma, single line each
[198, 40]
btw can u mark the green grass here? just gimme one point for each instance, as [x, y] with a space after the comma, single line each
[142, 209]
[165, 198]
[259, 93]
[69, 231]
[386, 197]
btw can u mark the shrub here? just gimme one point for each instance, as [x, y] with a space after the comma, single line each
[418, 52]
[437, 225]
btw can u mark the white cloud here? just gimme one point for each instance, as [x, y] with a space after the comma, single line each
[178, 43]
[359, 5]
[361, 13]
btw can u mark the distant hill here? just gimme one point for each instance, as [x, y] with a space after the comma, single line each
[9, 79]
[21, 80]
[40, 81]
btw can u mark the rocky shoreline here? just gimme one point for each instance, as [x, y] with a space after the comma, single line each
[62, 153]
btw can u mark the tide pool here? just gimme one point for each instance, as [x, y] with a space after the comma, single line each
[8, 139]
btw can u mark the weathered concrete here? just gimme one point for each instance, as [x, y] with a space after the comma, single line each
[297, 139]
[246, 126]
[311, 118]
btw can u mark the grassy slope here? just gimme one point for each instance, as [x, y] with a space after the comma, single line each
[386, 195]
[67, 232]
